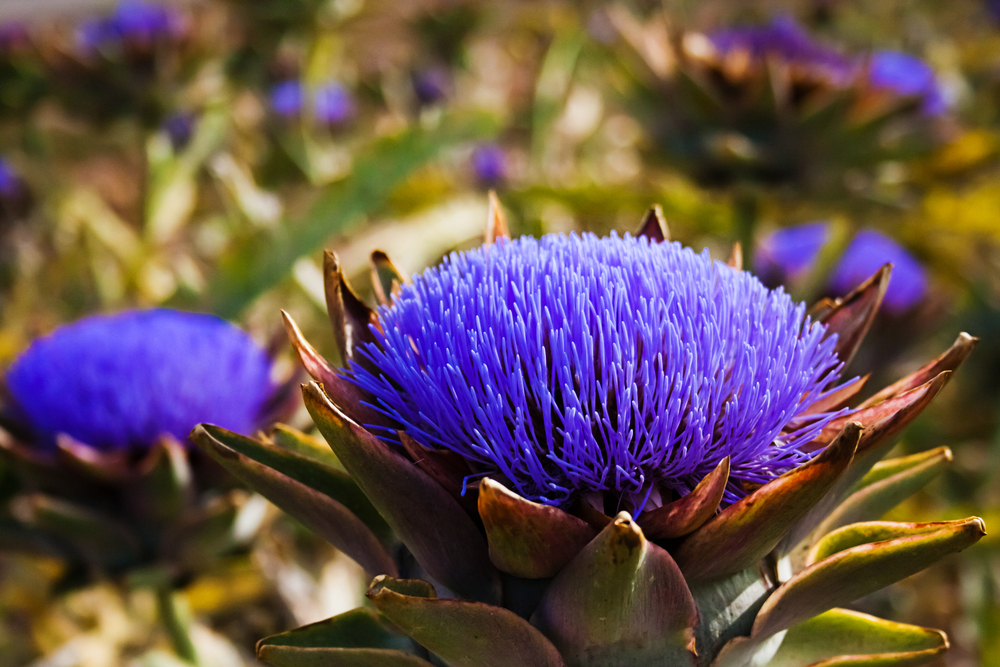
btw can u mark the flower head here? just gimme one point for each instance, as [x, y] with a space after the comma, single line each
[785, 39]
[132, 21]
[118, 382]
[788, 253]
[333, 104]
[431, 84]
[574, 364]
[489, 164]
[868, 251]
[287, 98]
[904, 74]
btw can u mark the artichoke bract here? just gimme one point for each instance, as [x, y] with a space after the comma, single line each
[582, 451]
[95, 420]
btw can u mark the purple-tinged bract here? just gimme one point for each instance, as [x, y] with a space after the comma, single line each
[121, 381]
[574, 364]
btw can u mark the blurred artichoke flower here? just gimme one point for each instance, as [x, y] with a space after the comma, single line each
[95, 422]
[787, 255]
[770, 106]
[602, 452]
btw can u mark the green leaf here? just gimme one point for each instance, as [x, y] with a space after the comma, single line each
[265, 259]
[869, 641]
[885, 486]
[429, 521]
[858, 571]
[463, 633]
[325, 516]
[303, 444]
[356, 629]
[99, 538]
[328, 480]
[621, 601]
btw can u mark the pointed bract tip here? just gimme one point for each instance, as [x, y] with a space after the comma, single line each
[736, 257]
[496, 222]
[654, 225]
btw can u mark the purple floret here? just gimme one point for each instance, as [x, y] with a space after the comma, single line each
[865, 255]
[904, 74]
[784, 38]
[119, 382]
[574, 363]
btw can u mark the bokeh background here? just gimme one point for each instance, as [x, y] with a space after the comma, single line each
[202, 154]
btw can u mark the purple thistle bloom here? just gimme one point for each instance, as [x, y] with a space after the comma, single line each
[489, 164]
[431, 84]
[788, 253]
[573, 364]
[132, 21]
[333, 104]
[117, 382]
[907, 75]
[179, 128]
[867, 252]
[287, 98]
[785, 39]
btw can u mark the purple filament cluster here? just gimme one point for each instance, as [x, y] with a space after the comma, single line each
[577, 364]
[119, 382]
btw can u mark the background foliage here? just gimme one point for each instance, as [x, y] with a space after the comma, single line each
[205, 162]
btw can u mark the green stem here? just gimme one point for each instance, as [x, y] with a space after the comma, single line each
[175, 622]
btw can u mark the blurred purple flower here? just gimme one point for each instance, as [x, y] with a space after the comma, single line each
[11, 184]
[132, 21]
[904, 74]
[431, 84]
[333, 104]
[785, 39]
[786, 254]
[179, 128]
[489, 163]
[867, 252]
[287, 98]
[117, 382]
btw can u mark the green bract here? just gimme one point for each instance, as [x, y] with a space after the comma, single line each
[690, 582]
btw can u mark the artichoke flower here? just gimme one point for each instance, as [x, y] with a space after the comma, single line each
[591, 451]
[94, 428]
[770, 106]
[788, 255]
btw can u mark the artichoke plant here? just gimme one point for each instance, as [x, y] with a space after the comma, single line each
[592, 451]
[94, 431]
[767, 106]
